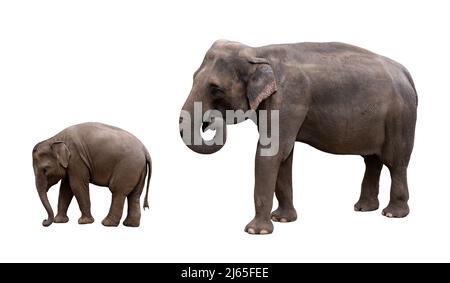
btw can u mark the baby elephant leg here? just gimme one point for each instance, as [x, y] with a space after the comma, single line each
[123, 185]
[134, 210]
[65, 197]
[116, 210]
[80, 189]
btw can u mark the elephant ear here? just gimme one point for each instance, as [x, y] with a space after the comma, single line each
[62, 153]
[262, 82]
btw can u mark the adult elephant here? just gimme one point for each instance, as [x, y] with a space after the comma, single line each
[335, 97]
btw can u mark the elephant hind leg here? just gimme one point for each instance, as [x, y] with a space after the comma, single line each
[134, 210]
[116, 210]
[126, 178]
[396, 155]
[283, 191]
[398, 204]
[368, 201]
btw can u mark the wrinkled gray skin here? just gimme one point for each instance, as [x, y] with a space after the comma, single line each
[335, 97]
[92, 153]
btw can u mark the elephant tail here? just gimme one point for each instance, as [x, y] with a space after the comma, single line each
[149, 174]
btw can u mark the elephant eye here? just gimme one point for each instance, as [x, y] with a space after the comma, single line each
[45, 171]
[216, 90]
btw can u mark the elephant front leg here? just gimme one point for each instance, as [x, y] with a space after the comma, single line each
[80, 189]
[283, 190]
[65, 197]
[266, 171]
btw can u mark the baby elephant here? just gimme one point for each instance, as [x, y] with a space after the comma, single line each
[92, 153]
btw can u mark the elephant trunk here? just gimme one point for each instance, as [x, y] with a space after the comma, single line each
[191, 125]
[42, 191]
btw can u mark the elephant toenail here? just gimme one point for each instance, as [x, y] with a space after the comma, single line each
[251, 231]
[264, 232]
[283, 220]
[389, 215]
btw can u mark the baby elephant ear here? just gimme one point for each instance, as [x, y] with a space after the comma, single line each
[62, 153]
[262, 83]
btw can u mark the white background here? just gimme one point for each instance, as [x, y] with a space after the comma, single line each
[130, 64]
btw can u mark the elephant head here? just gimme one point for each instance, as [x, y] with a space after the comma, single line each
[50, 161]
[232, 77]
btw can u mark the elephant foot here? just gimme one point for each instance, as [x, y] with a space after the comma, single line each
[61, 219]
[131, 222]
[261, 227]
[365, 205]
[397, 210]
[110, 223]
[85, 220]
[284, 215]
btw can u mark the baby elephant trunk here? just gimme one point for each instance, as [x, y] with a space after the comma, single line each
[42, 191]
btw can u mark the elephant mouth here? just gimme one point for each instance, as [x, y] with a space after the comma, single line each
[208, 126]
[208, 132]
[202, 132]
